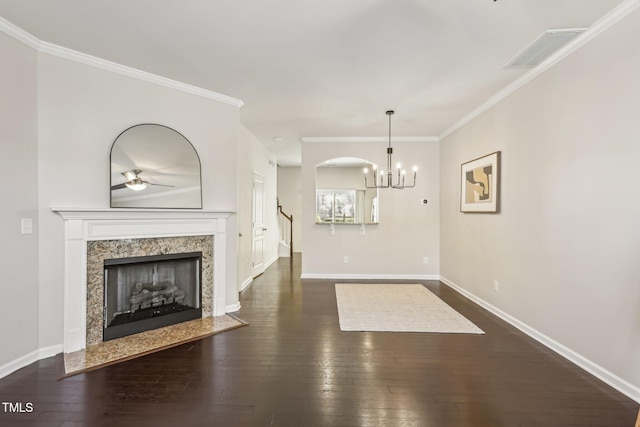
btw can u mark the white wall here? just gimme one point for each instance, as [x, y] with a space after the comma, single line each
[19, 195]
[81, 110]
[408, 230]
[290, 195]
[245, 182]
[254, 157]
[566, 245]
[264, 162]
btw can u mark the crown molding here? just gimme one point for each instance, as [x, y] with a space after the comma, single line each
[19, 34]
[611, 18]
[82, 58]
[621, 11]
[369, 139]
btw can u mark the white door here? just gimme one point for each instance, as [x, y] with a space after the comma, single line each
[258, 224]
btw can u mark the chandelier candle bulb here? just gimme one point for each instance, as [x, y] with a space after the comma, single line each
[400, 181]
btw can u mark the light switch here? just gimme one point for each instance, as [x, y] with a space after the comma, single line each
[27, 226]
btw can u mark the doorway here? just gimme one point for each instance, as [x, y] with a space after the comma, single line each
[258, 225]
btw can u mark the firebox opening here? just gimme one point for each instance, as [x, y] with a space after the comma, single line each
[149, 292]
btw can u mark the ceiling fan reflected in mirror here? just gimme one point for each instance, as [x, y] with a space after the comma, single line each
[134, 182]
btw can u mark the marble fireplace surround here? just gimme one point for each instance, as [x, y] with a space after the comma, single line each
[138, 226]
[100, 250]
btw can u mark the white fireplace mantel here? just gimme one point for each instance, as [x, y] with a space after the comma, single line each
[83, 225]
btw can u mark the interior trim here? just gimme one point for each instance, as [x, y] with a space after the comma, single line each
[325, 139]
[594, 369]
[82, 58]
[245, 284]
[624, 9]
[29, 358]
[19, 34]
[233, 308]
[369, 276]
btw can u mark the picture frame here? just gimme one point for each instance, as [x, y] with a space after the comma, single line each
[480, 184]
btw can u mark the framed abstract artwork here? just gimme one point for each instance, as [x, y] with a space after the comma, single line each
[480, 184]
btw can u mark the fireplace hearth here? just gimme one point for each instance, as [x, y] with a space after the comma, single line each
[149, 292]
[93, 235]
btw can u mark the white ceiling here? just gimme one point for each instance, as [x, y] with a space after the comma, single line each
[316, 68]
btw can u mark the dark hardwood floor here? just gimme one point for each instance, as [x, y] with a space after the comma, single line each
[294, 367]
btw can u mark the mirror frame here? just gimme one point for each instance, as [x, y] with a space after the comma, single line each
[180, 139]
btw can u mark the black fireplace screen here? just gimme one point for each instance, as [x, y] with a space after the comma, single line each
[149, 292]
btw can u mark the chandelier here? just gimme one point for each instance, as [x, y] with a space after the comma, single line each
[400, 173]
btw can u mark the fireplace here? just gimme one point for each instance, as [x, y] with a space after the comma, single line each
[149, 292]
[146, 261]
[94, 235]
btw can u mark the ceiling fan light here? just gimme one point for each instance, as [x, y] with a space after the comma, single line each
[136, 184]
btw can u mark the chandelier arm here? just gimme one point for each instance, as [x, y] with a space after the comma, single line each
[400, 184]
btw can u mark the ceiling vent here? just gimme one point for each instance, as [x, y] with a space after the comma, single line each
[544, 46]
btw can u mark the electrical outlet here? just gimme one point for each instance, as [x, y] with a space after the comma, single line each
[496, 286]
[345, 259]
[26, 226]
[425, 260]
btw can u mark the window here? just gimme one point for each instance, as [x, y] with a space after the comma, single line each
[336, 206]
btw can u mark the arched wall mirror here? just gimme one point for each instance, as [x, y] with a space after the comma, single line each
[341, 196]
[154, 166]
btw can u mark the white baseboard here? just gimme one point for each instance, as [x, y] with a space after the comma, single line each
[232, 308]
[271, 261]
[28, 359]
[50, 351]
[246, 284]
[594, 369]
[369, 276]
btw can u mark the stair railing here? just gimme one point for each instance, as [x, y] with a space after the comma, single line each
[286, 230]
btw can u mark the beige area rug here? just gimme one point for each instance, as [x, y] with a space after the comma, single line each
[132, 346]
[397, 308]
